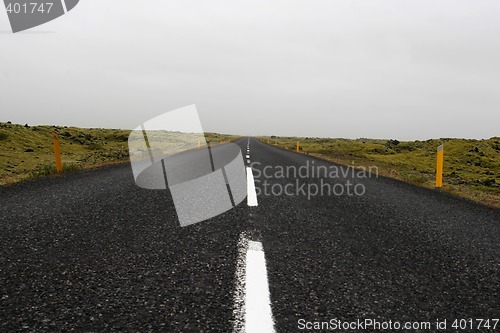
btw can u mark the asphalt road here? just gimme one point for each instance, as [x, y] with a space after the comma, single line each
[91, 251]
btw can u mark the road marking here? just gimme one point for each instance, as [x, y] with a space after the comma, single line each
[252, 311]
[258, 313]
[248, 156]
[251, 193]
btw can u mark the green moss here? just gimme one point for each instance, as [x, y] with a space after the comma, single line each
[473, 165]
[28, 152]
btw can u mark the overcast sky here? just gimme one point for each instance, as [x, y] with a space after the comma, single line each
[379, 69]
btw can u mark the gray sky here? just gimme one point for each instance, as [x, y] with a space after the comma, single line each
[379, 69]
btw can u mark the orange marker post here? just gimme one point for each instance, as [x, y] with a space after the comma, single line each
[298, 147]
[57, 152]
[439, 166]
[220, 141]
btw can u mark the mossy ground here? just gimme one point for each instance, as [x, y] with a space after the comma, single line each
[27, 151]
[471, 167]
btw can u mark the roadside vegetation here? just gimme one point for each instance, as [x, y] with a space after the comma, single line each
[27, 151]
[471, 167]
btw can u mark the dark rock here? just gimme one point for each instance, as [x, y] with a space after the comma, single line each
[392, 143]
[490, 182]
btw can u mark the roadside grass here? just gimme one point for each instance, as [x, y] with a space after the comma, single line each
[27, 151]
[50, 169]
[471, 168]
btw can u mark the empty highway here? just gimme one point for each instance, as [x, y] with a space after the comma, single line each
[91, 251]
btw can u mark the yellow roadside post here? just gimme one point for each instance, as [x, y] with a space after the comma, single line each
[57, 152]
[199, 144]
[439, 166]
[276, 142]
[298, 147]
[220, 141]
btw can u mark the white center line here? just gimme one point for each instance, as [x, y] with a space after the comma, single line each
[251, 193]
[253, 313]
[258, 313]
[252, 310]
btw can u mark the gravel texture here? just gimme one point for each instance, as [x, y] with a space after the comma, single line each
[90, 251]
